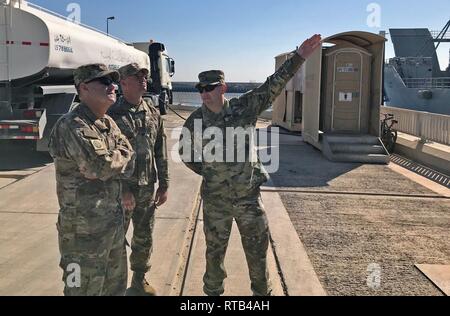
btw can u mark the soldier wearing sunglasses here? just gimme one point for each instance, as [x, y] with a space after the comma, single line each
[139, 120]
[231, 190]
[91, 156]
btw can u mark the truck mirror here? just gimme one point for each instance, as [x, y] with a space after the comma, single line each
[172, 67]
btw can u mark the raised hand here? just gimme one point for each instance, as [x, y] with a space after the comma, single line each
[309, 46]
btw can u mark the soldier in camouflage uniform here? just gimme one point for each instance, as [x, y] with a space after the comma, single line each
[91, 154]
[231, 190]
[141, 123]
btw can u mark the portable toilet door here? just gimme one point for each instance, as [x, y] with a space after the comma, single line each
[347, 98]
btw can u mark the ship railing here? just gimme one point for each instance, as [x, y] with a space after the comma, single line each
[427, 83]
[435, 34]
[427, 126]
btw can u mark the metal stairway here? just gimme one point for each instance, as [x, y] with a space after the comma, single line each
[355, 148]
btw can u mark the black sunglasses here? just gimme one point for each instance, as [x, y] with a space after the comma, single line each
[207, 88]
[103, 80]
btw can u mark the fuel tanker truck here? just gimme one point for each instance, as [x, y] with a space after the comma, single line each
[39, 51]
[162, 70]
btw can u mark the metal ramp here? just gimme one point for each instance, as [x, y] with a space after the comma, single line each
[354, 148]
[56, 106]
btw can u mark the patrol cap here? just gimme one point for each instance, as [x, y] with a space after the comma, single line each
[90, 72]
[131, 70]
[210, 77]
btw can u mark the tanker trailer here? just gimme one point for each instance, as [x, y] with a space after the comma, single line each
[39, 50]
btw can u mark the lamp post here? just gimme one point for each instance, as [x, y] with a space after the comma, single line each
[107, 23]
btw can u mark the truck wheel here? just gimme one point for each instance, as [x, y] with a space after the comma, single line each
[163, 102]
[170, 97]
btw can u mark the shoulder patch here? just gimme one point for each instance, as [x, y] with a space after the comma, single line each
[99, 147]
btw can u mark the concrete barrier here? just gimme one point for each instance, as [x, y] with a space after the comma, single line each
[430, 154]
[428, 126]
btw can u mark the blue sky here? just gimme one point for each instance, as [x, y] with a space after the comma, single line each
[243, 36]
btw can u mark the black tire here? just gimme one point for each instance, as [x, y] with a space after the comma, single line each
[389, 141]
[170, 97]
[394, 141]
[163, 101]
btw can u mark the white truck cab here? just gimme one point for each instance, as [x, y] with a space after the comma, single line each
[162, 70]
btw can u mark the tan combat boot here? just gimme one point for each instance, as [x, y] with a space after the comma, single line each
[140, 286]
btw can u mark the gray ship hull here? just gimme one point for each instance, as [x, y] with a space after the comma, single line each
[398, 95]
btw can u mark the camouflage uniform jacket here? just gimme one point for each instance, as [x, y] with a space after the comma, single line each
[86, 147]
[144, 128]
[237, 178]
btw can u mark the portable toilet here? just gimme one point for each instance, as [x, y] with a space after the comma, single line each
[339, 94]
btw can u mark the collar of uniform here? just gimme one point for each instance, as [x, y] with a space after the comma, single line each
[102, 123]
[132, 107]
[211, 116]
[141, 106]
[86, 111]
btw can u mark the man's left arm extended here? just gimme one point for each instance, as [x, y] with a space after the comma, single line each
[261, 98]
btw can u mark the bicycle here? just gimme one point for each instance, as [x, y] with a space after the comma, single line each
[388, 134]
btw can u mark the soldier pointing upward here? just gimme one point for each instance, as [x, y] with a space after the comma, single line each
[231, 190]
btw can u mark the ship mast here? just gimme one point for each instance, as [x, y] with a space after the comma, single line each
[437, 37]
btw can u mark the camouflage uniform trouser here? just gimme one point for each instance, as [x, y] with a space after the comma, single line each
[93, 254]
[250, 217]
[143, 218]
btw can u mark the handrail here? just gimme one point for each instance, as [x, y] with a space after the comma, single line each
[427, 83]
[435, 34]
[427, 126]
